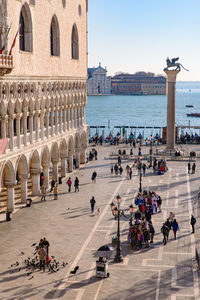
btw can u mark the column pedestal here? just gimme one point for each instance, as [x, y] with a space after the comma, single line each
[171, 108]
[46, 176]
[55, 171]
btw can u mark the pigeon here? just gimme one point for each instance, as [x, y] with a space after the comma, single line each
[17, 263]
[33, 244]
[75, 270]
[30, 278]
[29, 273]
[19, 269]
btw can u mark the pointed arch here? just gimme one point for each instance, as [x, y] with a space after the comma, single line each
[22, 166]
[25, 29]
[54, 37]
[34, 163]
[75, 42]
[45, 157]
[54, 152]
[7, 174]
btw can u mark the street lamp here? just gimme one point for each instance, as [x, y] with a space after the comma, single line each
[117, 212]
[151, 151]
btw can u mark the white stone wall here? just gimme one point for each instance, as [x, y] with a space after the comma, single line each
[40, 62]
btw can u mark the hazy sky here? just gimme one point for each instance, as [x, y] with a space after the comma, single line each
[138, 35]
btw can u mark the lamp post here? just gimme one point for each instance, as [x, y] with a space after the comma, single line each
[140, 173]
[151, 151]
[118, 257]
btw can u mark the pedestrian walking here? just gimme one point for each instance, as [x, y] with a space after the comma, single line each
[159, 203]
[42, 257]
[189, 167]
[120, 170]
[52, 185]
[144, 169]
[151, 231]
[193, 168]
[95, 154]
[165, 232]
[46, 245]
[116, 169]
[55, 192]
[146, 237]
[111, 168]
[92, 204]
[175, 228]
[43, 193]
[193, 222]
[69, 183]
[119, 160]
[76, 184]
[94, 176]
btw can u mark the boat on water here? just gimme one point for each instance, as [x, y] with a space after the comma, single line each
[197, 115]
[189, 105]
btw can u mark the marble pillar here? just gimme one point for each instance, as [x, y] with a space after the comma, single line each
[23, 180]
[55, 171]
[63, 167]
[70, 162]
[11, 132]
[46, 175]
[83, 156]
[35, 177]
[77, 157]
[10, 197]
[171, 108]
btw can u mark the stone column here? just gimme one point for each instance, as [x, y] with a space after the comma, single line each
[31, 128]
[46, 175]
[47, 124]
[3, 128]
[18, 131]
[70, 162]
[42, 125]
[35, 176]
[23, 180]
[56, 121]
[10, 197]
[68, 119]
[25, 129]
[64, 119]
[55, 170]
[77, 157]
[52, 122]
[171, 108]
[63, 166]
[11, 132]
[36, 127]
[83, 156]
[60, 120]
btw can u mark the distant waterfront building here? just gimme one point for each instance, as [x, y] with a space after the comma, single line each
[98, 83]
[140, 83]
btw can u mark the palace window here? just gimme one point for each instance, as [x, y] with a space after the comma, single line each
[74, 43]
[25, 29]
[55, 37]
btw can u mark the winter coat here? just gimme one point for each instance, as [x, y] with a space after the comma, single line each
[42, 253]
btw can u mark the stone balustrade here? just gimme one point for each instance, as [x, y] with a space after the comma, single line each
[6, 64]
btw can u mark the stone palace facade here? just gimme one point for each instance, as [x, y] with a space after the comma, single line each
[42, 94]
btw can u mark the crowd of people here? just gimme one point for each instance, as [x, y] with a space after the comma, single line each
[159, 166]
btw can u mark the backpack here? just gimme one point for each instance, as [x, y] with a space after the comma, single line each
[152, 230]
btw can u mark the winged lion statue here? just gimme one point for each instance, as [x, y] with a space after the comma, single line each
[173, 63]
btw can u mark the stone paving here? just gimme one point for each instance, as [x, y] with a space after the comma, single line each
[160, 272]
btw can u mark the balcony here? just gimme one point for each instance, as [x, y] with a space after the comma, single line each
[6, 64]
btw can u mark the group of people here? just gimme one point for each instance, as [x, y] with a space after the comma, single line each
[141, 231]
[92, 154]
[76, 184]
[192, 169]
[148, 202]
[170, 223]
[159, 166]
[43, 253]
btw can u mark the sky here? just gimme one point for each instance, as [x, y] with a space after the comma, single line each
[138, 35]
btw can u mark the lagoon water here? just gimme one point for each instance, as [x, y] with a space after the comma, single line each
[143, 110]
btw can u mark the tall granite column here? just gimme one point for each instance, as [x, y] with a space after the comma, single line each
[171, 108]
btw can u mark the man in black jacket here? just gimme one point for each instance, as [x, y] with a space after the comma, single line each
[193, 222]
